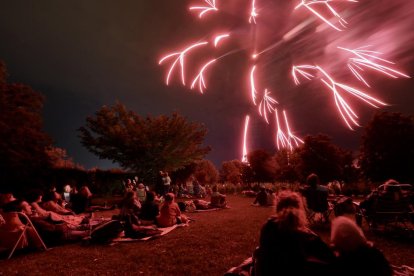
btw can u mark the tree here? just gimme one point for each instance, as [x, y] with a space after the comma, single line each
[231, 171]
[319, 155]
[387, 148]
[23, 141]
[206, 172]
[60, 159]
[263, 164]
[144, 145]
[287, 162]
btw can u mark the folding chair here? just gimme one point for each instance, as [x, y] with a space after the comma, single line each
[28, 223]
[318, 208]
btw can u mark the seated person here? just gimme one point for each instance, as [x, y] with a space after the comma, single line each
[141, 192]
[52, 232]
[288, 246]
[149, 210]
[170, 213]
[11, 230]
[130, 205]
[81, 202]
[316, 195]
[67, 192]
[34, 198]
[356, 255]
[261, 197]
[50, 203]
[217, 200]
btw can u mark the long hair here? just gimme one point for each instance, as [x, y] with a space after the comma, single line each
[290, 211]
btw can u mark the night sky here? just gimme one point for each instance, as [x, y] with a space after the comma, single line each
[82, 54]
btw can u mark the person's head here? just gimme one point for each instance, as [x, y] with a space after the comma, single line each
[290, 211]
[312, 180]
[165, 174]
[169, 197]
[67, 188]
[214, 188]
[6, 198]
[13, 206]
[262, 189]
[50, 196]
[141, 186]
[26, 208]
[150, 196]
[346, 236]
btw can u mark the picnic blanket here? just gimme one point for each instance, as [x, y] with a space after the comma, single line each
[164, 231]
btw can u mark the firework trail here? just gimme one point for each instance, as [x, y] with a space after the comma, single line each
[246, 128]
[200, 77]
[346, 112]
[266, 105]
[285, 138]
[180, 58]
[211, 6]
[310, 40]
[369, 59]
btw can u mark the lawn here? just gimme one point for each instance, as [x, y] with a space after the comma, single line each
[212, 244]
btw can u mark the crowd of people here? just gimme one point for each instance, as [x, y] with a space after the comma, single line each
[287, 245]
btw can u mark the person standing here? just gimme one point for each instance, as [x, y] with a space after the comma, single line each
[167, 183]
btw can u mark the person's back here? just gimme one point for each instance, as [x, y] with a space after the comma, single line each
[356, 255]
[316, 195]
[149, 209]
[287, 246]
[261, 198]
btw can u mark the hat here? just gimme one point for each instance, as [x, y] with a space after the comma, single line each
[346, 235]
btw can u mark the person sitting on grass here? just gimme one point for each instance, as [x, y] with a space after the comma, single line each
[81, 202]
[130, 205]
[356, 255]
[217, 200]
[149, 210]
[170, 213]
[288, 246]
[261, 198]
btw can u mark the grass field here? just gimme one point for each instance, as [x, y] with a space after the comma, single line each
[211, 245]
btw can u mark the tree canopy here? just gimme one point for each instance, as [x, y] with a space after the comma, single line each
[23, 141]
[387, 147]
[319, 155]
[263, 165]
[145, 145]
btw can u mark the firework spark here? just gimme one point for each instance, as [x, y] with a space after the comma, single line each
[253, 13]
[253, 90]
[346, 112]
[266, 105]
[211, 6]
[309, 3]
[218, 38]
[285, 138]
[370, 59]
[246, 127]
[200, 77]
[180, 57]
[291, 137]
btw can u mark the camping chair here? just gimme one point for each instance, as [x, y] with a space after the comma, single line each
[318, 208]
[391, 211]
[27, 223]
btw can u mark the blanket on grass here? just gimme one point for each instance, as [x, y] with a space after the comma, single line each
[163, 231]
